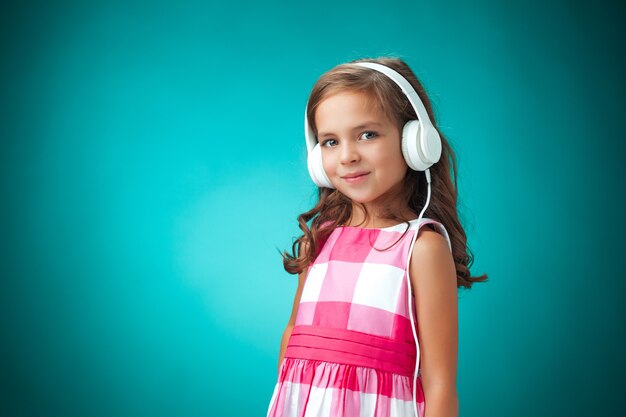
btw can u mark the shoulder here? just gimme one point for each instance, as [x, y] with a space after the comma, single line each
[429, 239]
[431, 258]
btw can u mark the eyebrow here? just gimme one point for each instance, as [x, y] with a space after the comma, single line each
[361, 126]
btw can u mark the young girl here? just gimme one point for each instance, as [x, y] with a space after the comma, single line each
[380, 255]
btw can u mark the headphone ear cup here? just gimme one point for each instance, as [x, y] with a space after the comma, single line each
[410, 146]
[431, 145]
[316, 168]
[420, 149]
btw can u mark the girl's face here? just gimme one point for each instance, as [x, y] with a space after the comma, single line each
[361, 150]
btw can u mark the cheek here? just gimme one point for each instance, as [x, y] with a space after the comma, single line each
[327, 162]
[395, 163]
[390, 157]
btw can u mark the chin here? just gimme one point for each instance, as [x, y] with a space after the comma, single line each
[356, 198]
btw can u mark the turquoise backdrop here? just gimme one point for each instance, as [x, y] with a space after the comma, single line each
[153, 162]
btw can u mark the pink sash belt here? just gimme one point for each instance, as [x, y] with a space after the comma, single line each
[351, 348]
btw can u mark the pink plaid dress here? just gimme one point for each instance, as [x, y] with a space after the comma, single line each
[351, 352]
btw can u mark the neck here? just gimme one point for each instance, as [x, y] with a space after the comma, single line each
[376, 217]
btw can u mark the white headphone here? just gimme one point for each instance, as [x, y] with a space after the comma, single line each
[421, 144]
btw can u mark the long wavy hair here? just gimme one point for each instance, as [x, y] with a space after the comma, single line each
[334, 209]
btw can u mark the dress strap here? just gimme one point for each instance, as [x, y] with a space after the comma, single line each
[438, 226]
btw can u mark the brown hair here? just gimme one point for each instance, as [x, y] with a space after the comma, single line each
[333, 208]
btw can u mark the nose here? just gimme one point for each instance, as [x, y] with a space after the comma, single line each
[349, 153]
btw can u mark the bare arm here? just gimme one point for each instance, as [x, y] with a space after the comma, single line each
[433, 276]
[292, 320]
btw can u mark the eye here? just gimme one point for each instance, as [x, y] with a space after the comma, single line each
[369, 135]
[329, 143]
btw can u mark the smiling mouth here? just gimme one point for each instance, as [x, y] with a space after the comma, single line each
[355, 177]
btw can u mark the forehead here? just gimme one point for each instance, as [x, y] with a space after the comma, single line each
[346, 107]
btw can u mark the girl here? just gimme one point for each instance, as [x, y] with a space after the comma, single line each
[370, 268]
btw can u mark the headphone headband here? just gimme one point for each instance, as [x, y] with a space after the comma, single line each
[406, 87]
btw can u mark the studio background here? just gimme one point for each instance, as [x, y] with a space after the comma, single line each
[153, 164]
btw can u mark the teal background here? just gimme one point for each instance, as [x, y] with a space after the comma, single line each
[153, 163]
